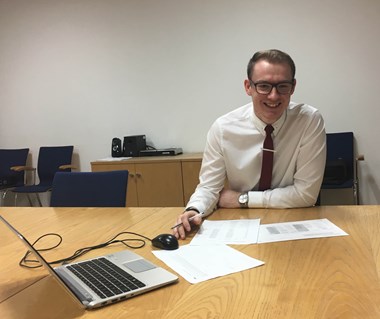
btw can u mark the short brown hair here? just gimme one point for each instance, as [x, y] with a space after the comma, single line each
[272, 56]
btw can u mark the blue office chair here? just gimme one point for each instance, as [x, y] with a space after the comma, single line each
[341, 163]
[51, 159]
[10, 159]
[89, 189]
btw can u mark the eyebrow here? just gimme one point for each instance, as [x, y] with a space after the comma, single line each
[285, 81]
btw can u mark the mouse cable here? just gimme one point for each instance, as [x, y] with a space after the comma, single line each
[34, 263]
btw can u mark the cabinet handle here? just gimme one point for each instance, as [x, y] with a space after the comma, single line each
[131, 175]
[138, 174]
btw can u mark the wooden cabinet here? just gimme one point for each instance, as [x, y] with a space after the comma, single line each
[159, 184]
[157, 181]
[190, 176]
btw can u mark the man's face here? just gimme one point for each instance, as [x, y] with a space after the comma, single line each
[269, 107]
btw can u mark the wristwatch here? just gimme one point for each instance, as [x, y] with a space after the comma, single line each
[243, 200]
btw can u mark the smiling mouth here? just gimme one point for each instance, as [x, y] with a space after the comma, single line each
[272, 105]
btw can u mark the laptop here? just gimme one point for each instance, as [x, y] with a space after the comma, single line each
[125, 275]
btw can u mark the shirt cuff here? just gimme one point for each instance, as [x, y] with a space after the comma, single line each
[255, 199]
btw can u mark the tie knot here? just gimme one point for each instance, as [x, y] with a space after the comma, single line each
[269, 129]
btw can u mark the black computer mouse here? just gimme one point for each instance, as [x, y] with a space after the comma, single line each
[165, 241]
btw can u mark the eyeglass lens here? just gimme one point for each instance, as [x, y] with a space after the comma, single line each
[266, 88]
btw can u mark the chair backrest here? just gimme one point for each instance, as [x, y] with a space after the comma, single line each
[89, 189]
[9, 158]
[340, 158]
[50, 158]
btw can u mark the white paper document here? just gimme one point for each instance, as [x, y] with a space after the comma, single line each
[240, 231]
[200, 263]
[316, 228]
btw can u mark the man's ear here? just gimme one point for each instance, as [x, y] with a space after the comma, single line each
[247, 87]
[294, 86]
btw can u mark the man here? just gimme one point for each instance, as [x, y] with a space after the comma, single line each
[234, 150]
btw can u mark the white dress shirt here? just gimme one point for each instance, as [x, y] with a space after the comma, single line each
[233, 153]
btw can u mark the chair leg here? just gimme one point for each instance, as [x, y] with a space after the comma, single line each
[39, 199]
[3, 195]
[30, 200]
[355, 190]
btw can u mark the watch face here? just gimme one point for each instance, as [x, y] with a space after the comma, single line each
[243, 198]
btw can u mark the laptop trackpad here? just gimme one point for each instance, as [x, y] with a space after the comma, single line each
[139, 265]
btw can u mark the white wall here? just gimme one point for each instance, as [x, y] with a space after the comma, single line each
[84, 71]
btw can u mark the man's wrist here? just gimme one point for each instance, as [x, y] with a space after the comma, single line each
[192, 208]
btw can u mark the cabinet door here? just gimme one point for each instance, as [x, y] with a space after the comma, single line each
[159, 184]
[131, 188]
[190, 175]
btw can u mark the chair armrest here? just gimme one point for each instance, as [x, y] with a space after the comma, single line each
[67, 166]
[22, 168]
[25, 168]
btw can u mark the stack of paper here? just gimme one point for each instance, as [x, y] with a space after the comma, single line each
[208, 256]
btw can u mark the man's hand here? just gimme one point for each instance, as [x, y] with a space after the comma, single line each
[180, 231]
[229, 199]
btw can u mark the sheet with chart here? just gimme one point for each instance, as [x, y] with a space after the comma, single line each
[239, 231]
[304, 229]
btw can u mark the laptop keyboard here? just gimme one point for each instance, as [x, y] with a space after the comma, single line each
[105, 278]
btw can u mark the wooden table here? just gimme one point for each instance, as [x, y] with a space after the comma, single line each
[315, 278]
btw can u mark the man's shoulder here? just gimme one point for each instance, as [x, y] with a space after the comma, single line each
[240, 113]
[299, 109]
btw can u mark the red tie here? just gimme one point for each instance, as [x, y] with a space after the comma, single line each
[267, 164]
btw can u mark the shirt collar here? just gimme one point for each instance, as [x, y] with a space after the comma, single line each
[260, 125]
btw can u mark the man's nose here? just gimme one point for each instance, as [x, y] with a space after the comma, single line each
[273, 93]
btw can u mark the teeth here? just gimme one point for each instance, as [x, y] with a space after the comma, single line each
[272, 105]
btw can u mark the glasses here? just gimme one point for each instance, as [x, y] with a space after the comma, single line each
[265, 87]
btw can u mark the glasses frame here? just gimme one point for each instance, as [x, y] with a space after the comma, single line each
[273, 85]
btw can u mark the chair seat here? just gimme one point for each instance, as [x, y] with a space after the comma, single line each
[10, 183]
[32, 189]
[346, 184]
